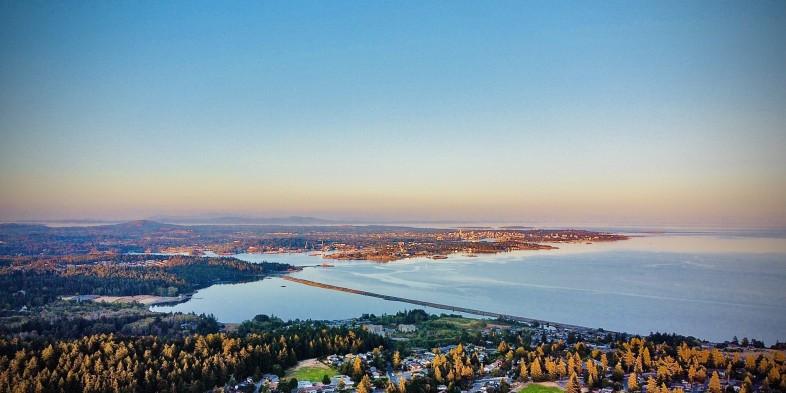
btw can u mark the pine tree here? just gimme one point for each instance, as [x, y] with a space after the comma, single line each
[396, 360]
[646, 358]
[652, 385]
[357, 367]
[774, 376]
[629, 359]
[715, 386]
[365, 385]
[573, 384]
[633, 382]
[535, 371]
[523, 375]
[618, 372]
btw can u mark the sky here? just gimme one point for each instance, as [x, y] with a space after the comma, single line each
[604, 112]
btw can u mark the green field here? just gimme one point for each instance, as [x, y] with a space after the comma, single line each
[313, 372]
[535, 388]
[445, 330]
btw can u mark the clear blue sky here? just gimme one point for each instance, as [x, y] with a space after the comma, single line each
[591, 112]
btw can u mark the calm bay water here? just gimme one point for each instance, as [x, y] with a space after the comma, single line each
[709, 286]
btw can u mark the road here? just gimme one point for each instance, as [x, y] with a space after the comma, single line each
[440, 306]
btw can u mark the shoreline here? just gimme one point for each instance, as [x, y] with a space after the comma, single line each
[446, 307]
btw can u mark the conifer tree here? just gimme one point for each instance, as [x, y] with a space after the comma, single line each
[646, 358]
[365, 385]
[652, 385]
[357, 367]
[523, 375]
[535, 371]
[396, 360]
[633, 383]
[715, 386]
[573, 384]
[618, 372]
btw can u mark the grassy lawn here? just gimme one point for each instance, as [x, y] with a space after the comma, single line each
[463, 323]
[444, 330]
[313, 372]
[535, 388]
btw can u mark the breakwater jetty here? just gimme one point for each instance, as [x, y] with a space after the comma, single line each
[440, 306]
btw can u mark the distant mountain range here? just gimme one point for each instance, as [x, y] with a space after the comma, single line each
[243, 220]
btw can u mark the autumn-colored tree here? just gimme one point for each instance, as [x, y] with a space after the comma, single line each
[365, 385]
[629, 359]
[396, 360]
[523, 374]
[573, 384]
[774, 376]
[701, 375]
[357, 367]
[535, 370]
[633, 382]
[592, 370]
[750, 362]
[652, 385]
[618, 372]
[715, 385]
[646, 358]
[551, 368]
[438, 374]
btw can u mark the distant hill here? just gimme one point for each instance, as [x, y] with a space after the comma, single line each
[143, 226]
[14, 228]
[243, 220]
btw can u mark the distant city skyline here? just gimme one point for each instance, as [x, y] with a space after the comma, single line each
[604, 113]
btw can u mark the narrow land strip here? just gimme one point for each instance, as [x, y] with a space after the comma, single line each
[435, 305]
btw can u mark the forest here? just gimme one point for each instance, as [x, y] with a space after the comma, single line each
[70, 319]
[199, 362]
[31, 282]
[195, 363]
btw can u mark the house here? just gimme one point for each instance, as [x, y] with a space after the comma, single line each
[375, 329]
[407, 328]
[338, 378]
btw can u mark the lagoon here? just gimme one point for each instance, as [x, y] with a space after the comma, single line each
[713, 286]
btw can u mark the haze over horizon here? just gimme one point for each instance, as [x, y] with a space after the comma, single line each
[624, 113]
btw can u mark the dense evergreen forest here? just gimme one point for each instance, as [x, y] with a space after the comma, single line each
[104, 363]
[69, 319]
[27, 281]
[200, 362]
